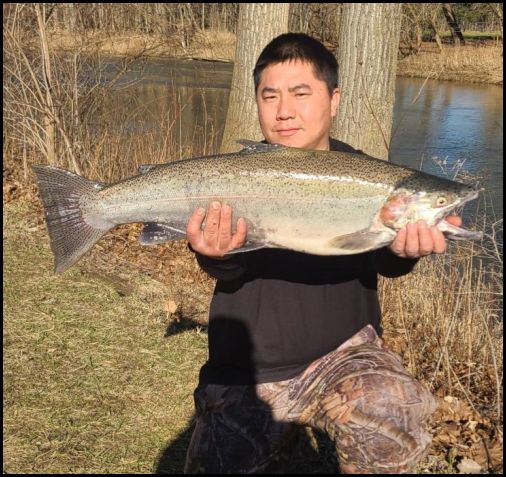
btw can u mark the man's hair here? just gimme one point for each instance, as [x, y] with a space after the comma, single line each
[298, 46]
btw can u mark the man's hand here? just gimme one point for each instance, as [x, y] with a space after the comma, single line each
[217, 238]
[418, 239]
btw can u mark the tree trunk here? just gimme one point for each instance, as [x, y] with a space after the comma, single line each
[48, 107]
[497, 9]
[258, 24]
[435, 30]
[368, 46]
[451, 19]
[419, 37]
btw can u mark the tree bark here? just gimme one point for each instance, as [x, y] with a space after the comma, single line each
[48, 109]
[368, 45]
[451, 19]
[258, 24]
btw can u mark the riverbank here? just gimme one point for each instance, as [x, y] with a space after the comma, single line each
[477, 62]
[473, 63]
[208, 45]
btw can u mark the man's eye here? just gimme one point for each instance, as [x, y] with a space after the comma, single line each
[269, 97]
[301, 94]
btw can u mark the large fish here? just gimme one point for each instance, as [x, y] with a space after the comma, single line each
[318, 202]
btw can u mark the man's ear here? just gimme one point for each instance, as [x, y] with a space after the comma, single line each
[334, 102]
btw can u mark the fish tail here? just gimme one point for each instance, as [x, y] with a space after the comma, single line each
[70, 236]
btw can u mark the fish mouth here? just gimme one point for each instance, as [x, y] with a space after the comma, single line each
[458, 233]
[471, 196]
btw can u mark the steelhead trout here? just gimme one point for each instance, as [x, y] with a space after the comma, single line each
[317, 202]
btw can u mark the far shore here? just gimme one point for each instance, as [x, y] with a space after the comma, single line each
[475, 62]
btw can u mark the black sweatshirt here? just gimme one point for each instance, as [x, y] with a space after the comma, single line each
[274, 311]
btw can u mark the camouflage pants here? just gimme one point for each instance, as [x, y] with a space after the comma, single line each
[359, 394]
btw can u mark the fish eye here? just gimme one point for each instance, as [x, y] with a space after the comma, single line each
[441, 200]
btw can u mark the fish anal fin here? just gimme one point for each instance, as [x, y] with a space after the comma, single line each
[155, 233]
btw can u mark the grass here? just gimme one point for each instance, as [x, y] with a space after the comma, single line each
[449, 315]
[205, 44]
[470, 63]
[92, 382]
[476, 35]
[96, 380]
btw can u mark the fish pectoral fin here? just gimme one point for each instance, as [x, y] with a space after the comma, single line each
[362, 240]
[155, 233]
[249, 247]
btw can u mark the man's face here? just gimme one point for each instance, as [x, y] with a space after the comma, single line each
[294, 107]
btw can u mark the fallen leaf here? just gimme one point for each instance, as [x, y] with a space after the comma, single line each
[171, 306]
[469, 466]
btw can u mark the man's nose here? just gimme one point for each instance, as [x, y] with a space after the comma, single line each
[286, 108]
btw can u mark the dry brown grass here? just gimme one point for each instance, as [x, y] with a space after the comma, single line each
[205, 44]
[446, 320]
[477, 63]
[473, 63]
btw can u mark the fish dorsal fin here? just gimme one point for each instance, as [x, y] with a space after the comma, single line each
[143, 168]
[255, 146]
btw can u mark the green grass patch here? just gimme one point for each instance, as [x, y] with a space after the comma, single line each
[92, 382]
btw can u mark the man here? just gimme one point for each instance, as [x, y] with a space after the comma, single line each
[294, 338]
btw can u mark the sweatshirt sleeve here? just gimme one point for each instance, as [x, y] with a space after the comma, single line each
[391, 266]
[229, 269]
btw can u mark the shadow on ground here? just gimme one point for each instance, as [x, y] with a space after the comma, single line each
[313, 453]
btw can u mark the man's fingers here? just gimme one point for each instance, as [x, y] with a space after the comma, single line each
[412, 243]
[216, 238]
[239, 237]
[439, 240]
[193, 228]
[399, 243]
[419, 240]
[212, 224]
[225, 229]
[425, 239]
[454, 220]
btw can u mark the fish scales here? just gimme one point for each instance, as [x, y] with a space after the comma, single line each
[251, 184]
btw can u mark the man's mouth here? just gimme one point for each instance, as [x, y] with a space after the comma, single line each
[287, 131]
